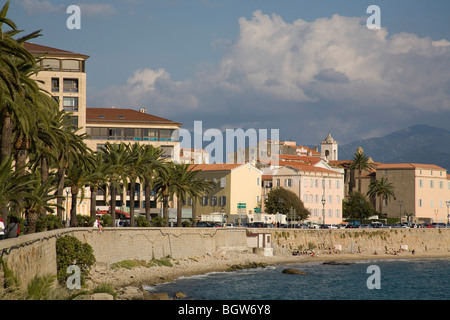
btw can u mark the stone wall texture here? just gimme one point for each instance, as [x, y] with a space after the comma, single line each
[35, 254]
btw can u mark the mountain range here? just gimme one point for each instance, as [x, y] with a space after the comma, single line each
[416, 144]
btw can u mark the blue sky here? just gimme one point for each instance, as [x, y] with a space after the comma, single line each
[303, 67]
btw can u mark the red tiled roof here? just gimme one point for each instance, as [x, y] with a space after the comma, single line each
[383, 166]
[101, 115]
[41, 50]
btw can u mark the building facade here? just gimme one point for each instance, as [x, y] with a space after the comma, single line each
[63, 76]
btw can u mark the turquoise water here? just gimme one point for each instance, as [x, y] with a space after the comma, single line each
[398, 279]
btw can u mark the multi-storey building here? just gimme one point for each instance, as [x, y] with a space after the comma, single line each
[237, 190]
[63, 76]
[320, 189]
[422, 192]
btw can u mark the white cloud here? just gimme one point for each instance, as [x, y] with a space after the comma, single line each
[34, 7]
[97, 9]
[330, 71]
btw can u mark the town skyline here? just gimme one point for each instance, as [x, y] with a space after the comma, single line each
[261, 65]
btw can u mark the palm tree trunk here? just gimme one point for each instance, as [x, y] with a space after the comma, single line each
[60, 193]
[93, 209]
[166, 210]
[6, 140]
[113, 203]
[32, 217]
[73, 210]
[44, 177]
[359, 180]
[179, 212]
[132, 186]
[194, 212]
[147, 196]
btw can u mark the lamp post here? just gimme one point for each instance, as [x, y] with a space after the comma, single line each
[66, 213]
[400, 203]
[323, 202]
[436, 212]
[448, 214]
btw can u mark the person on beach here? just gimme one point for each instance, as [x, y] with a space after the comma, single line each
[2, 229]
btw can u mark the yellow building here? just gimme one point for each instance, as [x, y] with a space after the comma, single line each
[237, 190]
[421, 191]
[64, 77]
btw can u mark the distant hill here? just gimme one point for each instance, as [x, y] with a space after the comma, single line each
[416, 144]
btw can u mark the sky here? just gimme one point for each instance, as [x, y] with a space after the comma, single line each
[306, 68]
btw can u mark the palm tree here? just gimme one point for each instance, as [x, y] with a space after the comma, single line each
[78, 175]
[117, 156]
[99, 172]
[152, 165]
[39, 198]
[383, 189]
[165, 185]
[360, 162]
[198, 188]
[14, 186]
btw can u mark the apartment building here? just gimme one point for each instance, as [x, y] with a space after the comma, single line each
[64, 77]
[237, 190]
[422, 191]
[320, 189]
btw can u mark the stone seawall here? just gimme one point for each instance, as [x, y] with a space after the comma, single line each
[35, 254]
[367, 240]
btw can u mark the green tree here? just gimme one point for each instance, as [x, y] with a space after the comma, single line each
[356, 206]
[360, 162]
[281, 200]
[382, 189]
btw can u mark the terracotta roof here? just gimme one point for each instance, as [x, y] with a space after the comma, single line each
[215, 166]
[41, 50]
[305, 167]
[383, 166]
[108, 115]
[266, 177]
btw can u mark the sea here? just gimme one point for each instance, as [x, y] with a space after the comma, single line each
[375, 279]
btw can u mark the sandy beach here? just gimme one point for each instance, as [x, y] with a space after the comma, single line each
[137, 277]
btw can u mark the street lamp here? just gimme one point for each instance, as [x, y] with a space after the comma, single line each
[67, 208]
[448, 214]
[323, 209]
[400, 203]
[436, 212]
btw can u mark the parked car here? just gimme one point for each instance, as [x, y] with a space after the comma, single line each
[204, 224]
[437, 225]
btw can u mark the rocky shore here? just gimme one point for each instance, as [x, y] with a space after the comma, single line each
[129, 283]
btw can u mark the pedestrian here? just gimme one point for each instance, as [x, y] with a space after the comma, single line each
[2, 229]
[13, 229]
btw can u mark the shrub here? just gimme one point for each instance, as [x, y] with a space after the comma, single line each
[49, 222]
[141, 221]
[85, 221]
[71, 251]
[106, 220]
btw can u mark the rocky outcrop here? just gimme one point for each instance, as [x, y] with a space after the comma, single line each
[293, 271]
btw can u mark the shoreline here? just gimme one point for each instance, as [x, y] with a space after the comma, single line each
[139, 277]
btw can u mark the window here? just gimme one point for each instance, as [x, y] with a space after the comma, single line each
[278, 182]
[431, 184]
[441, 184]
[70, 85]
[116, 134]
[55, 84]
[222, 201]
[129, 133]
[74, 120]
[288, 182]
[213, 201]
[165, 134]
[150, 134]
[338, 213]
[420, 203]
[71, 65]
[431, 203]
[204, 200]
[167, 151]
[338, 199]
[70, 104]
[305, 198]
[223, 182]
[51, 64]
[330, 213]
[420, 183]
[257, 181]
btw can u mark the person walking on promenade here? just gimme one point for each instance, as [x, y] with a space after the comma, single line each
[13, 229]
